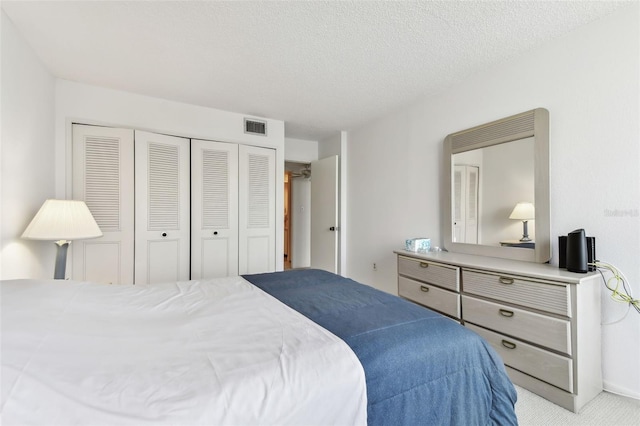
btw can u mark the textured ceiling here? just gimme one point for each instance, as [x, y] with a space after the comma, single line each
[319, 66]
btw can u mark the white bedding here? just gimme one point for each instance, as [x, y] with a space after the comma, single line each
[212, 352]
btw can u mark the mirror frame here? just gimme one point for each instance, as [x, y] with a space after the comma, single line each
[534, 123]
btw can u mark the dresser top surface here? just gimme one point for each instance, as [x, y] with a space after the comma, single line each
[507, 266]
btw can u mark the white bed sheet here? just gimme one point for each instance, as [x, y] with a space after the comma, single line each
[218, 352]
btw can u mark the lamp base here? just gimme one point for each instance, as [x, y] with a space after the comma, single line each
[61, 260]
[525, 232]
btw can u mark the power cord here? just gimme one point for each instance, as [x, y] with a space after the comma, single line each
[613, 284]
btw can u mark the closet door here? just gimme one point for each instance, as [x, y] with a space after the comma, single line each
[214, 209]
[103, 179]
[465, 204]
[257, 243]
[162, 208]
[471, 219]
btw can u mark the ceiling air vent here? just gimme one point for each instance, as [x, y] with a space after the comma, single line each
[255, 127]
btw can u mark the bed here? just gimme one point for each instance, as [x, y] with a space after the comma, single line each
[295, 347]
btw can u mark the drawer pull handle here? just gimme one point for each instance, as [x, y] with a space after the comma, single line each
[424, 265]
[423, 288]
[509, 345]
[505, 280]
[506, 313]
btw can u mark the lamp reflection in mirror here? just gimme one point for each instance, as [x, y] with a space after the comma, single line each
[62, 221]
[525, 212]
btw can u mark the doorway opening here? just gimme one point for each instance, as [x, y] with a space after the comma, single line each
[297, 215]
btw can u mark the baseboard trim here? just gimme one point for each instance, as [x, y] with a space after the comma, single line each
[618, 390]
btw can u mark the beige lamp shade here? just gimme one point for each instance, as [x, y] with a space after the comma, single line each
[523, 211]
[62, 220]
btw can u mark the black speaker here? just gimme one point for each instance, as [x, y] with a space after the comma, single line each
[591, 253]
[576, 257]
[562, 251]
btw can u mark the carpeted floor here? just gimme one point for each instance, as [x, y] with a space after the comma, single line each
[606, 409]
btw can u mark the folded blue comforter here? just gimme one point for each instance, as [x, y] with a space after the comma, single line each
[420, 367]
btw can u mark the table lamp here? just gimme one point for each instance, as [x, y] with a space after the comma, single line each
[62, 221]
[525, 212]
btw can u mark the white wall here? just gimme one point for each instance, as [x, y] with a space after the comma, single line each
[588, 80]
[83, 103]
[27, 152]
[330, 146]
[505, 183]
[300, 150]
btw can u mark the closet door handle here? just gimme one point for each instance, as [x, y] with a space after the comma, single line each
[509, 345]
[505, 280]
[506, 313]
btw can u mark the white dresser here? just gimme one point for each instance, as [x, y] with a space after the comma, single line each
[543, 321]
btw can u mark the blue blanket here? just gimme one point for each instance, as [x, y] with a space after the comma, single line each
[420, 367]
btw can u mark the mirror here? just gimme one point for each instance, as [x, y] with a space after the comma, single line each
[496, 189]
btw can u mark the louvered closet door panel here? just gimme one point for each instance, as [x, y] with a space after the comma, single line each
[471, 209]
[162, 209]
[257, 244]
[214, 209]
[103, 178]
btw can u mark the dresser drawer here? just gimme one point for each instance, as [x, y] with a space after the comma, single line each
[549, 367]
[444, 276]
[430, 296]
[542, 295]
[551, 332]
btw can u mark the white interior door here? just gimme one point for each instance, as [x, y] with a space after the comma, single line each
[324, 214]
[214, 209]
[465, 204]
[103, 179]
[257, 208]
[162, 216]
